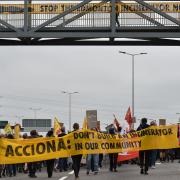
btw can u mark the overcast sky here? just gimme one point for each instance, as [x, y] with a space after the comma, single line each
[35, 76]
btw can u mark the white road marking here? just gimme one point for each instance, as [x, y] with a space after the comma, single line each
[158, 163]
[65, 177]
[72, 172]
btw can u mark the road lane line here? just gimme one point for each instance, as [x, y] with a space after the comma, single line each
[65, 177]
[72, 172]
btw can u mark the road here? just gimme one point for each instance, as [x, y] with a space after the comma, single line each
[164, 171]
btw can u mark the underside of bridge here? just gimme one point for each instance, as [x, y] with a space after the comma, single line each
[87, 22]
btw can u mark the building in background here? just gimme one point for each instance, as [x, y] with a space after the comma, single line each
[2, 126]
[41, 125]
[91, 116]
[162, 122]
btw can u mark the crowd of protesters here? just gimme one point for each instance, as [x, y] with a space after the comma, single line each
[147, 158]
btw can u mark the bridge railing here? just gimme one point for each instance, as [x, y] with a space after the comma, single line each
[28, 14]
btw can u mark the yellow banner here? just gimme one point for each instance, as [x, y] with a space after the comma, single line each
[86, 142]
[57, 8]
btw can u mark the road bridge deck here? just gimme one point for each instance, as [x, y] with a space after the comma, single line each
[29, 22]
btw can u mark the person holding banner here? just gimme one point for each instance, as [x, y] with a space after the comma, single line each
[62, 163]
[144, 155]
[113, 156]
[50, 162]
[76, 158]
[92, 161]
[153, 152]
[32, 166]
[11, 168]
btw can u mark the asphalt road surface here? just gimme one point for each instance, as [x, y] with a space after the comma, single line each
[164, 171]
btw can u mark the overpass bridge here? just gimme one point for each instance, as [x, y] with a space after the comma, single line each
[87, 22]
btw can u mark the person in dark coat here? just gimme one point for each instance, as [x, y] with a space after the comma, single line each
[113, 156]
[144, 155]
[76, 158]
[32, 166]
[62, 163]
[50, 162]
[11, 168]
[153, 152]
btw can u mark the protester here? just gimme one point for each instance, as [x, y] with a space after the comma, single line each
[32, 165]
[100, 155]
[62, 163]
[92, 162]
[153, 153]
[11, 168]
[113, 156]
[50, 162]
[144, 155]
[76, 158]
[25, 167]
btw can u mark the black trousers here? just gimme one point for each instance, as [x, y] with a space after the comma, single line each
[113, 161]
[76, 164]
[62, 163]
[144, 160]
[100, 160]
[50, 167]
[32, 168]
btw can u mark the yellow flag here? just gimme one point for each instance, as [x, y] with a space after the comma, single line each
[8, 129]
[57, 127]
[17, 131]
[85, 124]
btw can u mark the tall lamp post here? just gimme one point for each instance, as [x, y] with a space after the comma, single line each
[19, 118]
[35, 111]
[69, 94]
[132, 56]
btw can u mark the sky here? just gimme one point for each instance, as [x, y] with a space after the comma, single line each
[34, 77]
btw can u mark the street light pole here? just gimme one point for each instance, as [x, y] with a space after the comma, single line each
[69, 111]
[69, 94]
[19, 118]
[133, 88]
[35, 111]
[133, 57]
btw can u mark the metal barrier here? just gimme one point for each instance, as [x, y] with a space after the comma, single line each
[104, 19]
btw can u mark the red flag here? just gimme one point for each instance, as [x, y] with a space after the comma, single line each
[116, 123]
[128, 117]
